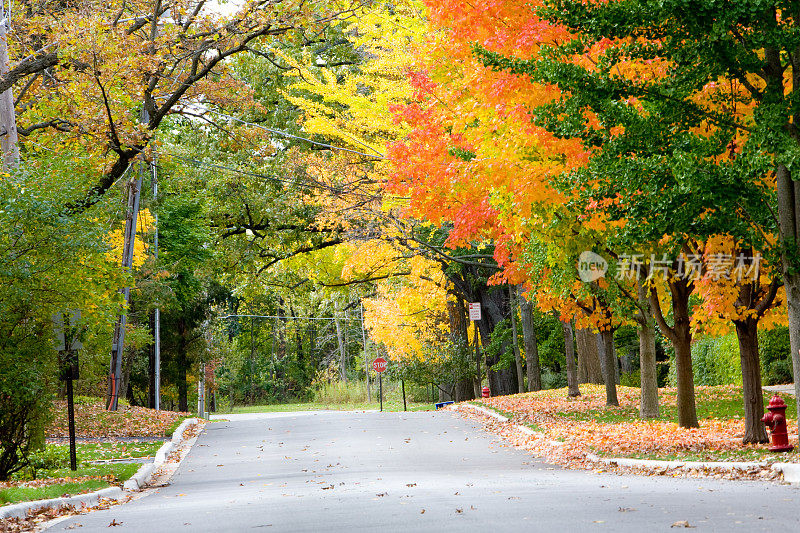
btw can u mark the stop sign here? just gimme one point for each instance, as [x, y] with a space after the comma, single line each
[379, 364]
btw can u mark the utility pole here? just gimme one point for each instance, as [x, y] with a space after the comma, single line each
[366, 359]
[118, 341]
[8, 120]
[157, 312]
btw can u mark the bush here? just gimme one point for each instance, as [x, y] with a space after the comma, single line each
[25, 372]
[632, 379]
[715, 361]
[49, 458]
[553, 380]
[775, 352]
[338, 393]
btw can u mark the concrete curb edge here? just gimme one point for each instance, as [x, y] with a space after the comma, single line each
[137, 481]
[145, 473]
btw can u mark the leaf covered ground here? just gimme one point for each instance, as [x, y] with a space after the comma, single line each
[567, 429]
[93, 421]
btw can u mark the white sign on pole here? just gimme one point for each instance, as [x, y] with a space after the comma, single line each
[475, 311]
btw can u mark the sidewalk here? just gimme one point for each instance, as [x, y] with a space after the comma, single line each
[783, 389]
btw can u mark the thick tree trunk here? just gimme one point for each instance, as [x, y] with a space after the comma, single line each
[747, 334]
[789, 223]
[494, 304]
[514, 344]
[609, 368]
[464, 390]
[569, 353]
[590, 369]
[457, 314]
[648, 404]
[531, 344]
[681, 337]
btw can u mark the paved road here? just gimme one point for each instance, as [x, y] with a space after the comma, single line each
[338, 471]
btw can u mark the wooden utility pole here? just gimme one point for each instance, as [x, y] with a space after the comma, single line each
[8, 120]
[118, 341]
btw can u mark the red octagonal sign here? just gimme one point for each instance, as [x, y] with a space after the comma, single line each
[379, 364]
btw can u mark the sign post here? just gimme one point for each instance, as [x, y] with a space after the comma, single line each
[379, 365]
[474, 316]
[68, 343]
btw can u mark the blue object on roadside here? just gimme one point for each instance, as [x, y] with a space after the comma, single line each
[442, 404]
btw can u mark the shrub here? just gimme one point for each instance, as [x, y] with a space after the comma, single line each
[776, 362]
[632, 379]
[553, 380]
[25, 370]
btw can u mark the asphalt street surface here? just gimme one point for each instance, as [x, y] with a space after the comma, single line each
[427, 471]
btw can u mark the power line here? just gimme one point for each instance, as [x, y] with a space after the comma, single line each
[288, 317]
[285, 181]
[377, 154]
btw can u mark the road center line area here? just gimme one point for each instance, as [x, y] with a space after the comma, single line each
[421, 471]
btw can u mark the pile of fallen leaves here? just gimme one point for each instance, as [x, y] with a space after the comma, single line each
[565, 436]
[93, 421]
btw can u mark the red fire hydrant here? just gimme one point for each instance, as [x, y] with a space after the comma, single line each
[776, 422]
[485, 392]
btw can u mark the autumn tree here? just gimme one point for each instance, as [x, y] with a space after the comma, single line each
[730, 66]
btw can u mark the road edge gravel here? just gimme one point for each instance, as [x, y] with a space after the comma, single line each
[140, 479]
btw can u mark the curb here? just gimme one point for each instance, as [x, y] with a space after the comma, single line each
[137, 481]
[699, 465]
[82, 500]
[790, 471]
[145, 473]
[485, 411]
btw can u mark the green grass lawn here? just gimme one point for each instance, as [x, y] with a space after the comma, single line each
[317, 406]
[26, 494]
[53, 465]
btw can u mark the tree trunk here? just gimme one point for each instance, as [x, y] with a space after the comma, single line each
[183, 389]
[569, 354]
[457, 313]
[531, 344]
[494, 304]
[681, 337]
[151, 367]
[588, 357]
[789, 223]
[648, 404]
[464, 390]
[610, 374]
[747, 334]
[514, 344]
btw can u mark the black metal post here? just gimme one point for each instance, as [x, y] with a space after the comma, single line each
[380, 386]
[403, 386]
[73, 459]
